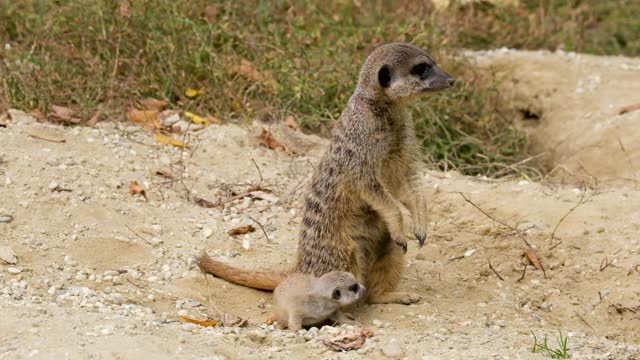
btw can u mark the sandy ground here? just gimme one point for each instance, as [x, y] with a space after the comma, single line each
[104, 274]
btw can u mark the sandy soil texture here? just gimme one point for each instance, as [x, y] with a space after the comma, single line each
[104, 274]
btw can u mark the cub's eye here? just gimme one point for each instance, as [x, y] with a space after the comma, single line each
[354, 288]
[420, 69]
[335, 294]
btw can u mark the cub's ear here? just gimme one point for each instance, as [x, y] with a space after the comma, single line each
[384, 76]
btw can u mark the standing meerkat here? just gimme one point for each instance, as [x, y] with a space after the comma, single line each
[355, 212]
[305, 300]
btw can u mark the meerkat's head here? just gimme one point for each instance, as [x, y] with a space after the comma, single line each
[400, 72]
[342, 287]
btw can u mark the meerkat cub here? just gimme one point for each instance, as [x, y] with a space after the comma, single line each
[305, 300]
[369, 180]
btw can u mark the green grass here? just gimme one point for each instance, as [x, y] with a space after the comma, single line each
[91, 56]
[560, 353]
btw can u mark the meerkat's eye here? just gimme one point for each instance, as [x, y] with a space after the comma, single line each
[354, 288]
[335, 294]
[420, 69]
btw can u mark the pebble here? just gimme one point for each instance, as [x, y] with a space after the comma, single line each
[207, 232]
[14, 270]
[392, 349]
[117, 299]
[6, 218]
[377, 323]
[189, 327]
[8, 255]
[107, 330]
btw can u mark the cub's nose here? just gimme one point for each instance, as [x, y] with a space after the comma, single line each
[451, 81]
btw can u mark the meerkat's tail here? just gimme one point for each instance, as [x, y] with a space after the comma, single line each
[263, 280]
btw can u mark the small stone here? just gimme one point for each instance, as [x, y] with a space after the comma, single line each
[53, 185]
[14, 270]
[117, 299]
[377, 323]
[152, 279]
[107, 330]
[393, 349]
[207, 232]
[545, 306]
[69, 260]
[189, 327]
[469, 252]
[8, 255]
[6, 218]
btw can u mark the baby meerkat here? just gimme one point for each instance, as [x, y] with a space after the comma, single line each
[305, 300]
[369, 180]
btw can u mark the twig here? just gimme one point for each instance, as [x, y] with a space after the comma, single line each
[583, 320]
[553, 234]
[494, 270]
[259, 172]
[518, 235]
[605, 263]
[138, 235]
[46, 139]
[261, 227]
[490, 340]
[524, 272]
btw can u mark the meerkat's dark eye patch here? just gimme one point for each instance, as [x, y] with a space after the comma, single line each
[384, 76]
[354, 288]
[336, 294]
[421, 69]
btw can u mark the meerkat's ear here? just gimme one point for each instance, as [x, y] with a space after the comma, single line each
[384, 76]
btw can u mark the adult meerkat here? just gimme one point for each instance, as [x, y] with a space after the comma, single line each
[354, 216]
[305, 300]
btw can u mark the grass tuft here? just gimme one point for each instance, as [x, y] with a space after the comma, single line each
[303, 56]
[560, 353]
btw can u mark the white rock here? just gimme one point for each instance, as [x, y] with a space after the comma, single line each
[53, 185]
[207, 232]
[14, 270]
[469, 252]
[117, 299]
[107, 330]
[8, 255]
[393, 349]
[377, 323]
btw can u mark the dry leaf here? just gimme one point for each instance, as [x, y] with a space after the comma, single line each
[153, 104]
[213, 120]
[144, 117]
[63, 114]
[164, 139]
[207, 323]
[534, 259]
[196, 119]
[193, 93]
[241, 230]
[266, 139]
[232, 320]
[203, 202]
[94, 119]
[135, 188]
[123, 9]
[629, 108]
[247, 70]
[348, 342]
[290, 121]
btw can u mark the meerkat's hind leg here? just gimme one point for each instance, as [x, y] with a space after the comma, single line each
[385, 275]
[294, 322]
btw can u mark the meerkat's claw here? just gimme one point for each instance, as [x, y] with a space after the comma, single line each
[402, 244]
[421, 238]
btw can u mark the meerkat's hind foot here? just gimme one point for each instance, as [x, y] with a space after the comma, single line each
[404, 298]
[421, 236]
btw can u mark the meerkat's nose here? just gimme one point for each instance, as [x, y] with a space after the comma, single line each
[451, 81]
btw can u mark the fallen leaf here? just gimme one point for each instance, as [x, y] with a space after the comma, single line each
[137, 189]
[123, 9]
[534, 260]
[196, 119]
[94, 119]
[145, 117]
[290, 121]
[153, 104]
[266, 139]
[204, 202]
[164, 139]
[63, 114]
[213, 120]
[206, 323]
[241, 230]
[193, 93]
[629, 108]
[232, 320]
[247, 70]
[348, 342]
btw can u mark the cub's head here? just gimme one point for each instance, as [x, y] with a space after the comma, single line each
[342, 287]
[399, 72]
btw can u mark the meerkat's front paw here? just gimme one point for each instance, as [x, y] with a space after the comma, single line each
[401, 241]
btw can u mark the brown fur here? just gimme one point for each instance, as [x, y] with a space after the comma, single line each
[356, 212]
